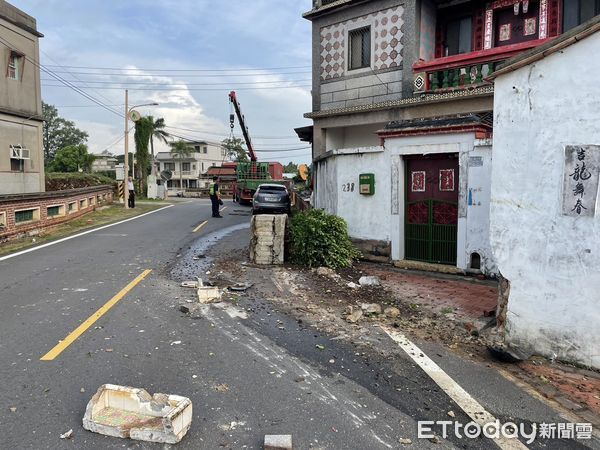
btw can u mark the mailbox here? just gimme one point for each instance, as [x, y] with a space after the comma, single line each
[367, 183]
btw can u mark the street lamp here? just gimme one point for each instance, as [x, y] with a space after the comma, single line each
[128, 111]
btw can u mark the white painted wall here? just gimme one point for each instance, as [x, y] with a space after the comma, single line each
[367, 215]
[551, 260]
[381, 217]
[473, 220]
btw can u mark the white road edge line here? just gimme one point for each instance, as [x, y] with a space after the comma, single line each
[33, 249]
[467, 403]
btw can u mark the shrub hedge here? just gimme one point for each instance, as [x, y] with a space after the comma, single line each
[58, 181]
[320, 239]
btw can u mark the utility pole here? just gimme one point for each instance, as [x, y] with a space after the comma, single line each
[126, 161]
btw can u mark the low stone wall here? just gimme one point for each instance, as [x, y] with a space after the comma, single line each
[374, 250]
[28, 214]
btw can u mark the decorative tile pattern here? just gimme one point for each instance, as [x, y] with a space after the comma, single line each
[386, 32]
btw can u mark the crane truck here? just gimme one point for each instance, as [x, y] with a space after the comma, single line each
[250, 175]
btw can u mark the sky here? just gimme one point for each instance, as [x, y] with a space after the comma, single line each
[185, 55]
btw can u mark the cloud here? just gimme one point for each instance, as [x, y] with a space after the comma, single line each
[176, 35]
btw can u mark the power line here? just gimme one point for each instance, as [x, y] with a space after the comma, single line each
[254, 136]
[184, 70]
[11, 46]
[144, 83]
[180, 75]
[193, 89]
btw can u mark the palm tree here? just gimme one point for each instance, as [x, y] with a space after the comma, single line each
[181, 150]
[158, 132]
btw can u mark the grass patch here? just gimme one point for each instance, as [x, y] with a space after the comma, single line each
[102, 216]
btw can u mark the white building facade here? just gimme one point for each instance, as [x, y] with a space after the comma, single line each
[545, 222]
[186, 172]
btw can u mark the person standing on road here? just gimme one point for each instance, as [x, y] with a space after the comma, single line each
[131, 189]
[215, 197]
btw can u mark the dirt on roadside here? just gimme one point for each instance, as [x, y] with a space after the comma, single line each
[425, 310]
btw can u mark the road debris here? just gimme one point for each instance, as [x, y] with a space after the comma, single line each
[353, 285]
[222, 387]
[354, 314]
[371, 308]
[67, 435]
[240, 287]
[369, 281]
[13, 409]
[127, 412]
[278, 442]
[392, 312]
[451, 414]
[320, 347]
[175, 342]
[207, 294]
[405, 441]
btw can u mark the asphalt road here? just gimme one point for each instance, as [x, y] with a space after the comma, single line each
[245, 378]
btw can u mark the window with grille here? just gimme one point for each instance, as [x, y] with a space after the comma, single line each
[169, 166]
[14, 65]
[27, 215]
[17, 165]
[576, 12]
[185, 167]
[55, 211]
[360, 48]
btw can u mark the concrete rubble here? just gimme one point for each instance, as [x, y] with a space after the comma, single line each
[267, 241]
[371, 308]
[128, 412]
[369, 281]
[278, 442]
[208, 294]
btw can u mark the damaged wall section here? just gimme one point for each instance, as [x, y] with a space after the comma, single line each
[551, 258]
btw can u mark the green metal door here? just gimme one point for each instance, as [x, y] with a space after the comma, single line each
[431, 212]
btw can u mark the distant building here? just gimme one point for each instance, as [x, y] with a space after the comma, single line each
[186, 172]
[21, 121]
[104, 162]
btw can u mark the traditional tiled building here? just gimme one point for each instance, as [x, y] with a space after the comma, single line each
[402, 117]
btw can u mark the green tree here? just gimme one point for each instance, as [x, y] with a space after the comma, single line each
[235, 150]
[181, 150]
[290, 168]
[73, 158]
[143, 132]
[158, 132]
[59, 133]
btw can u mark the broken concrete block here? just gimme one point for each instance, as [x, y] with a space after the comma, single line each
[392, 312]
[127, 412]
[371, 308]
[369, 281]
[268, 239]
[208, 294]
[278, 442]
[354, 316]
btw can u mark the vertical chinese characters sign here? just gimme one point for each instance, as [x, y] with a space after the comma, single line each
[580, 190]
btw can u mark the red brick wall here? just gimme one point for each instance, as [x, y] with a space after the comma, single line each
[8, 206]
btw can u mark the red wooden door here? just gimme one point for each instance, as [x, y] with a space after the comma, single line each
[431, 208]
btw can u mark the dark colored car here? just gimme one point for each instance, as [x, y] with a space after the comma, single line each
[271, 199]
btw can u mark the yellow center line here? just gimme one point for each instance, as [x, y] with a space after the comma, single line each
[199, 226]
[62, 345]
